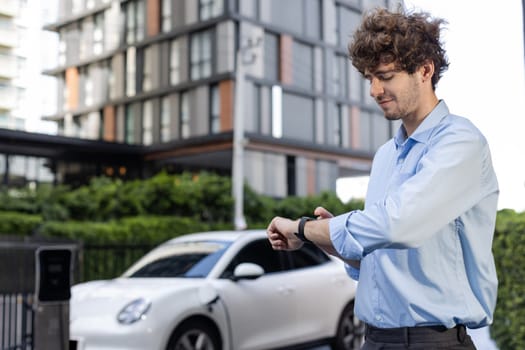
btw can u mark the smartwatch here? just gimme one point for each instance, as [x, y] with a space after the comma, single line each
[300, 230]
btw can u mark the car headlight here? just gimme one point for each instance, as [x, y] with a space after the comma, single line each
[134, 311]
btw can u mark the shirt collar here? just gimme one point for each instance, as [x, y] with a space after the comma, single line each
[422, 133]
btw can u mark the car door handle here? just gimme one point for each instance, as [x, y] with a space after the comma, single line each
[285, 290]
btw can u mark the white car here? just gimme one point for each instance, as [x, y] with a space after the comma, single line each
[219, 291]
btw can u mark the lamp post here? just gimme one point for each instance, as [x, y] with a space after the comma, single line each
[238, 146]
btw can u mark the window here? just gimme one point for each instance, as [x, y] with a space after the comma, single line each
[86, 38]
[175, 67]
[98, 34]
[347, 22]
[365, 131]
[298, 117]
[215, 106]
[333, 124]
[184, 116]
[271, 56]
[339, 71]
[134, 21]
[166, 16]
[312, 21]
[210, 8]
[259, 252]
[148, 67]
[130, 71]
[165, 119]
[201, 55]
[88, 86]
[281, 12]
[248, 8]
[382, 129]
[147, 123]
[368, 4]
[277, 111]
[356, 82]
[303, 65]
[309, 255]
[62, 47]
[129, 132]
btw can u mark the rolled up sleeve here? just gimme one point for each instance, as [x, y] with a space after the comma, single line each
[344, 243]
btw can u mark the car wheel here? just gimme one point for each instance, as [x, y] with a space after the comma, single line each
[350, 331]
[194, 335]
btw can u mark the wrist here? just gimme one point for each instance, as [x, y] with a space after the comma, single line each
[300, 229]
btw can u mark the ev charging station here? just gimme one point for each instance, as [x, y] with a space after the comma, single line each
[53, 279]
[36, 275]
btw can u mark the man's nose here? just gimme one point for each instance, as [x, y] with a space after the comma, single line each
[376, 88]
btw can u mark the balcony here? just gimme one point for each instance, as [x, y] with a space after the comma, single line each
[8, 96]
[8, 68]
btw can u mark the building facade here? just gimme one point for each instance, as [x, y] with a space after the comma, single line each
[12, 61]
[164, 75]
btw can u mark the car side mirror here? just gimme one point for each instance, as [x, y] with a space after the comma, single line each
[247, 271]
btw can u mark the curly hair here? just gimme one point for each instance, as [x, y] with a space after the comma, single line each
[408, 40]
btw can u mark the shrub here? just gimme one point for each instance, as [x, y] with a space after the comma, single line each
[508, 329]
[20, 224]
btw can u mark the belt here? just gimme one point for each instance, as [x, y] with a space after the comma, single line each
[408, 335]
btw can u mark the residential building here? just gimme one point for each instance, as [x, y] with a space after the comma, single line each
[162, 78]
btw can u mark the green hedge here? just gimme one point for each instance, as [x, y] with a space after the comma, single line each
[134, 230]
[508, 329]
[20, 224]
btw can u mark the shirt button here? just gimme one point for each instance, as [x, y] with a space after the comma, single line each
[379, 318]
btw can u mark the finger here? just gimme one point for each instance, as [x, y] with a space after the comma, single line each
[322, 213]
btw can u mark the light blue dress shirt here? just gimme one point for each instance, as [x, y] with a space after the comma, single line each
[425, 235]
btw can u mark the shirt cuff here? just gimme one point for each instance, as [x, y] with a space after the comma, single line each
[342, 240]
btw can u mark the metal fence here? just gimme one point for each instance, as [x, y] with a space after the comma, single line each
[16, 321]
[95, 261]
[104, 261]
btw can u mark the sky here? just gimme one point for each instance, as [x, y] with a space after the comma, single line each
[485, 83]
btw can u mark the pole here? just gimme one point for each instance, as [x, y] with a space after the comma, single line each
[238, 146]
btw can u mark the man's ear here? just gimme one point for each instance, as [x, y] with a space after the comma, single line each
[427, 71]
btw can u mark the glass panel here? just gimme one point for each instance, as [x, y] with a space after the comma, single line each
[271, 57]
[184, 116]
[347, 23]
[302, 65]
[313, 18]
[165, 119]
[147, 69]
[98, 34]
[201, 55]
[166, 15]
[298, 117]
[281, 12]
[147, 123]
[130, 124]
[215, 121]
[175, 62]
[210, 8]
[130, 71]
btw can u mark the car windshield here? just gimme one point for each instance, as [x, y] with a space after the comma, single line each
[180, 259]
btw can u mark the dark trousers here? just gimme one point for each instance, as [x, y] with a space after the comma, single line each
[417, 338]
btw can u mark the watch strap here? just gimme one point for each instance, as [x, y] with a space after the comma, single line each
[300, 229]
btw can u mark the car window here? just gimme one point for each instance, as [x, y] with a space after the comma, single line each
[193, 259]
[258, 252]
[309, 255]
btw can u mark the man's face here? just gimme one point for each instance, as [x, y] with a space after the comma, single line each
[395, 91]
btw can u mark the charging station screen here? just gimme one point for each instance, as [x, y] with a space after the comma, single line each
[55, 275]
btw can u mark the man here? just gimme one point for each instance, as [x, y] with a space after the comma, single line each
[421, 248]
